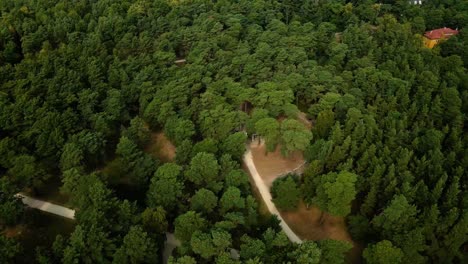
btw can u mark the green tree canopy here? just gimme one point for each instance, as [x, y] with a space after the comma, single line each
[285, 193]
[383, 252]
[335, 191]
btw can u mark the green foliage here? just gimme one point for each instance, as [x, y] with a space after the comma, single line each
[25, 171]
[182, 260]
[187, 224]
[72, 156]
[268, 128]
[383, 252]
[154, 220]
[307, 253]
[285, 193]
[231, 200]
[335, 191]
[272, 98]
[251, 248]
[294, 136]
[238, 178]
[9, 248]
[219, 122]
[88, 245]
[234, 145]
[179, 130]
[203, 201]
[203, 170]
[137, 132]
[325, 120]
[166, 187]
[137, 247]
[334, 251]
[256, 115]
[209, 245]
[207, 145]
[11, 207]
[138, 165]
[398, 216]
[74, 76]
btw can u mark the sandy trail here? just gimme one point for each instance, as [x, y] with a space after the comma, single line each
[266, 196]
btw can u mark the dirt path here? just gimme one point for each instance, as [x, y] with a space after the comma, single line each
[266, 196]
[47, 207]
[303, 222]
[169, 245]
[272, 165]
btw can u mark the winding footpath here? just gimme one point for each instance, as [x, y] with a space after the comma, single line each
[171, 242]
[266, 196]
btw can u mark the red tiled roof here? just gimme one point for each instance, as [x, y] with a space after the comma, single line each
[440, 33]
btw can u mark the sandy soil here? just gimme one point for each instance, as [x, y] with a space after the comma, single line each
[266, 196]
[161, 147]
[273, 165]
[305, 223]
[262, 207]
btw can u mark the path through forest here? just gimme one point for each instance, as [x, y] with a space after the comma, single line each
[304, 222]
[46, 206]
[266, 196]
[170, 244]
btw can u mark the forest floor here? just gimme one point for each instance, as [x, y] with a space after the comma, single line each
[304, 222]
[169, 245]
[266, 195]
[272, 165]
[161, 147]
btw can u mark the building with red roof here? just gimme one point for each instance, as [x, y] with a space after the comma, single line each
[433, 37]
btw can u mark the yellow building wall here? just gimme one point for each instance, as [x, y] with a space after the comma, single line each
[430, 43]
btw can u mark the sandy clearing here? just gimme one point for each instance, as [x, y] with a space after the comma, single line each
[272, 165]
[161, 147]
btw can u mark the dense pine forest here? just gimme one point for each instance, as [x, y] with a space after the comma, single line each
[85, 85]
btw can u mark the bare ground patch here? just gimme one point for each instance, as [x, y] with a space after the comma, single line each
[161, 147]
[272, 165]
[305, 222]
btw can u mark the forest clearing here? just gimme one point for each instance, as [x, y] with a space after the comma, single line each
[304, 221]
[271, 165]
[161, 147]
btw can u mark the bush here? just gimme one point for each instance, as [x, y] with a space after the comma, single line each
[285, 193]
